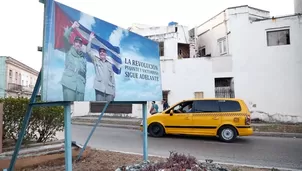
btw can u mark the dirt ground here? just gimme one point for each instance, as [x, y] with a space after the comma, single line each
[99, 160]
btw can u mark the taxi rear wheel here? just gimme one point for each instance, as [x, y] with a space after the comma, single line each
[156, 130]
[227, 134]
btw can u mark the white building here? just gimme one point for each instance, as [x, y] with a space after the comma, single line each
[259, 54]
[16, 78]
[241, 52]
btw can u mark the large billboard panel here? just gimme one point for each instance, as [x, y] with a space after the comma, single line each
[88, 59]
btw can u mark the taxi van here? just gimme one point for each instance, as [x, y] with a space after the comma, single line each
[225, 118]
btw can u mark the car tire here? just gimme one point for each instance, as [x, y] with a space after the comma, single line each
[227, 134]
[156, 130]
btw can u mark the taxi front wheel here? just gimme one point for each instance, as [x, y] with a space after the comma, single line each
[227, 134]
[156, 130]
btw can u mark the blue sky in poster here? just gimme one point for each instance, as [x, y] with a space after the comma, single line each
[132, 46]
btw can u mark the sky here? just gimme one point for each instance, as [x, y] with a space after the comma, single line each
[22, 28]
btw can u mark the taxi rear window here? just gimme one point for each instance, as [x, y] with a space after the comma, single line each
[216, 106]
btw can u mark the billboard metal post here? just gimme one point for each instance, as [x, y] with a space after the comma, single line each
[93, 129]
[145, 132]
[67, 127]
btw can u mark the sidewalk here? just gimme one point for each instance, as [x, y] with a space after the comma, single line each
[261, 129]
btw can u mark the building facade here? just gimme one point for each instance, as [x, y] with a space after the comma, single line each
[255, 57]
[16, 78]
[241, 52]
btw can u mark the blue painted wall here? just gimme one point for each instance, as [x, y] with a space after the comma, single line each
[2, 76]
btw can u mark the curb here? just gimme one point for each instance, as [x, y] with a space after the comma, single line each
[107, 125]
[278, 134]
[263, 134]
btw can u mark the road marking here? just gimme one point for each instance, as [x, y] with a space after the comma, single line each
[222, 163]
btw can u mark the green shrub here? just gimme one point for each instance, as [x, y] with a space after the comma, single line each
[43, 124]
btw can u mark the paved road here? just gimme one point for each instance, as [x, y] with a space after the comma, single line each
[262, 151]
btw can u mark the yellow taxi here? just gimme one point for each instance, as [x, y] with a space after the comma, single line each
[225, 118]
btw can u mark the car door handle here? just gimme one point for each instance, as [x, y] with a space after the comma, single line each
[216, 118]
[186, 118]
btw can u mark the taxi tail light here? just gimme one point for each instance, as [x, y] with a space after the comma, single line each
[248, 120]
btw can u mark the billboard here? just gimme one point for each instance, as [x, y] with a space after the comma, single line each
[88, 59]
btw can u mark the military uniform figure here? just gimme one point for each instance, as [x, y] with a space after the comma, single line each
[74, 75]
[104, 82]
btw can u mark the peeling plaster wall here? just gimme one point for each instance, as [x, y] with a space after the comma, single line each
[268, 76]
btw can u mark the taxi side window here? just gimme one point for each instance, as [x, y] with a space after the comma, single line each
[182, 107]
[206, 106]
[229, 106]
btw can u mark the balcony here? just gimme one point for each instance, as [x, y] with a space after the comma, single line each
[27, 89]
[14, 87]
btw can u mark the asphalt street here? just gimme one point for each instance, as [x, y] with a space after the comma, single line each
[253, 150]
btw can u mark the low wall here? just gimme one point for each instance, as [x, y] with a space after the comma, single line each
[30, 161]
[83, 109]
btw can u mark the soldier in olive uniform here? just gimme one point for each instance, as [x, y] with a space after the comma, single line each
[104, 82]
[74, 76]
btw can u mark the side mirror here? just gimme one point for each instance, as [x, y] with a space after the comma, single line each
[171, 112]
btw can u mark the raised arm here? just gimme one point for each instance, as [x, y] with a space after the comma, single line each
[88, 48]
[67, 34]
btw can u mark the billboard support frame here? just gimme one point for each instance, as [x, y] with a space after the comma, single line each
[67, 120]
[67, 126]
[92, 131]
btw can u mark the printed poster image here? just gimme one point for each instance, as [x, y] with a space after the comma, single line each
[88, 59]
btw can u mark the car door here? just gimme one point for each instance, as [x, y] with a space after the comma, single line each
[177, 122]
[206, 117]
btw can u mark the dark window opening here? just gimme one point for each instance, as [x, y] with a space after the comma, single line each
[201, 51]
[278, 37]
[161, 49]
[183, 50]
[224, 88]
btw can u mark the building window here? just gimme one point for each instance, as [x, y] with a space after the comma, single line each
[183, 50]
[278, 37]
[201, 51]
[161, 49]
[16, 77]
[198, 95]
[222, 46]
[10, 73]
[224, 88]
[19, 78]
[166, 95]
